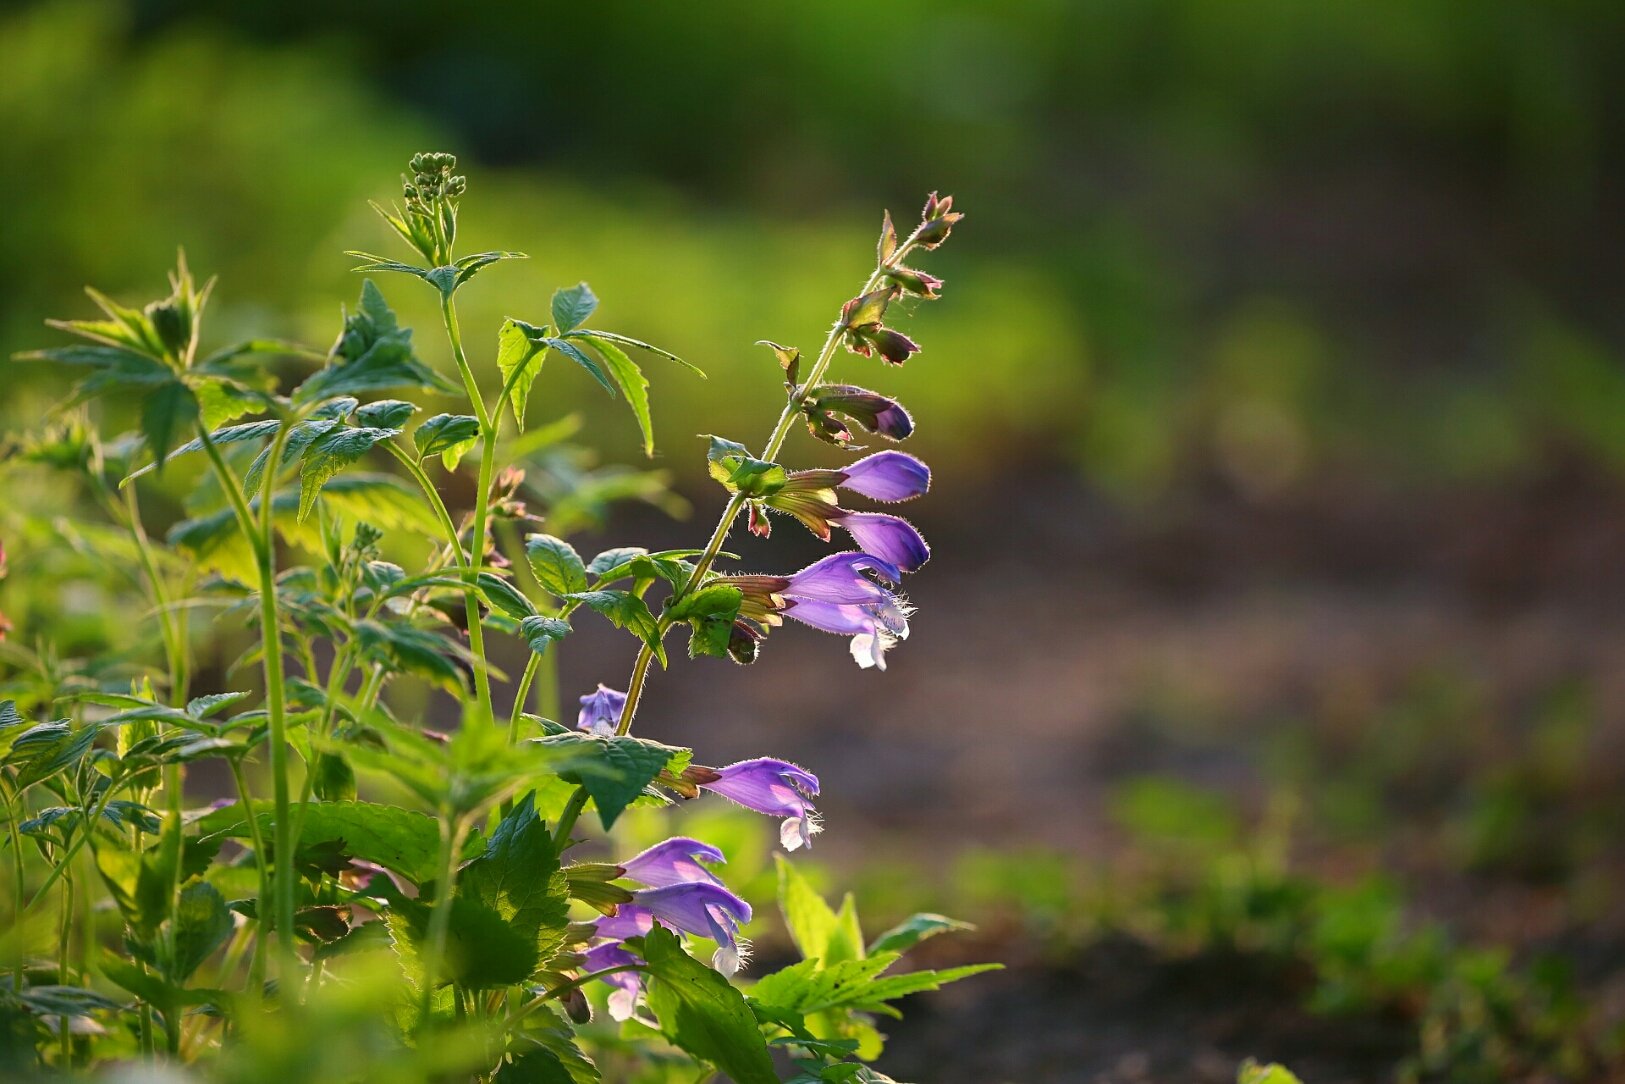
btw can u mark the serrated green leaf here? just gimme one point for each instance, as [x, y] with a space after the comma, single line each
[625, 610]
[808, 919]
[581, 358]
[556, 564]
[519, 359]
[518, 876]
[701, 1013]
[449, 435]
[914, 929]
[615, 770]
[400, 840]
[329, 454]
[202, 923]
[540, 631]
[572, 305]
[385, 413]
[167, 410]
[505, 596]
[614, 558]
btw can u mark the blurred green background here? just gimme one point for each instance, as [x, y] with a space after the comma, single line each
[1276, 405]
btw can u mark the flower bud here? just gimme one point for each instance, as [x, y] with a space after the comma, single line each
[873, 411]
[893, 346]
[743, 643]
[937, 221]
[918, 283]
[173, 323]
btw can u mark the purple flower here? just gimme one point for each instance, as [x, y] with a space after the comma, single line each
[887, 476]
[890, 538]
[776, 788]
[674, 862]
[840, 578]
[875, 628]
[628, 984]
[601, 711]
[628, 920]
[705, 910]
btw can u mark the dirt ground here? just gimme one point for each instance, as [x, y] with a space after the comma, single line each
[1063, 646]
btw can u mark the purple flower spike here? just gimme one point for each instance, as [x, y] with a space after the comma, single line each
[887, 476]
[705, 910]
[776, 788]
[628, 984]
[601, 711]
[674, 862]
[890, 538]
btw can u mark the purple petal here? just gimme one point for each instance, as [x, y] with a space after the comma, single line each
[839, 578]
[890, 538]
[601, 711]
[888, 476]
[674, 862]
[628, 984]
[776, 788]
[629, 920]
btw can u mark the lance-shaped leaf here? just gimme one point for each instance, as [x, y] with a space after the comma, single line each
[231, 434]
[580, 357]
[330, 454]
[519, 877]
[385, 413]
[633, 384]
[469, 266]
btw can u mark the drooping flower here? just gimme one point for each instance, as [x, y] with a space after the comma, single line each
[601, 711]
[675, 861]
[776, 788]
[705, 910]
[809, 496]
[891, 538]
[628, 984]
[887, 476]
[835, 595]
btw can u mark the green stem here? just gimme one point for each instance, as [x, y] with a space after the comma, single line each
[775, 442]
[565, 987]
[452, 831]
[567, 819]
[13, 816]
[482, 503]
[256, 966]
[433, 496]
[520, 696]
[263, 544]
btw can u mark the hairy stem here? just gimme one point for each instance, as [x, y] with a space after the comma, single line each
[520, 695]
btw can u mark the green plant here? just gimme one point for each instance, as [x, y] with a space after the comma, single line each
[450, 931]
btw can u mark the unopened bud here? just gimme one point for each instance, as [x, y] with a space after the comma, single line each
[173, 324]
[917, 283]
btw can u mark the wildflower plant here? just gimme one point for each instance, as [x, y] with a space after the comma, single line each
[454, 930]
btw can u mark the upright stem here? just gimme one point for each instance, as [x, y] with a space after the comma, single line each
[263, 543]
[14, 812]
[452, 831]
[775, 441]
[520, 696]
[482, 503]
